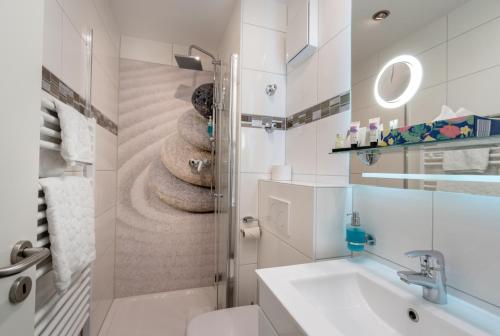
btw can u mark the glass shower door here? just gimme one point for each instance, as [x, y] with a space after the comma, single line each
[226, 127]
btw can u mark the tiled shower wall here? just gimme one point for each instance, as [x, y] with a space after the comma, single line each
[64, 23]
[322, 76]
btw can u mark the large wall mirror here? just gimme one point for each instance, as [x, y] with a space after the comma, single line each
[416, 61]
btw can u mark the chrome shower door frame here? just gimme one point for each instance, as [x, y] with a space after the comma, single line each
[226, 171]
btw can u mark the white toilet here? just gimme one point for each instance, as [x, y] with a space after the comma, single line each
[240, 321]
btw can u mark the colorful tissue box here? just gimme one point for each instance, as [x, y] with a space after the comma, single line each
[443, 130]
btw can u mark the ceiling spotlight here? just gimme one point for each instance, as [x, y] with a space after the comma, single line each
[381, 15]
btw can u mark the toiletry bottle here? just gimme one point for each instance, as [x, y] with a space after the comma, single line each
[353, 133]
[381, 135]
[210, 127]
[374, 129]
[339, 141]
[355, 235]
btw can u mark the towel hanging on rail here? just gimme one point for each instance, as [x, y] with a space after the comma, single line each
[70, 217]
[76, 134]
[474, 160]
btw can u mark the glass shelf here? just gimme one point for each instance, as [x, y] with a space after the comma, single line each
[453, 144]
[435, 177]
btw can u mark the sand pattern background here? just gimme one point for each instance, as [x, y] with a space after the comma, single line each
[165, 221]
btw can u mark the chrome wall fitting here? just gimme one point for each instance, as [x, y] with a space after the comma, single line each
[369, 157]
[249, 219]
[199, 165]
[269, 127]
[271, 89]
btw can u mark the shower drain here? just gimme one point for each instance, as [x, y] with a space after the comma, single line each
[413, 315]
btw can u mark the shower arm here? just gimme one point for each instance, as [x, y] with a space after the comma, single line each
[193, 46]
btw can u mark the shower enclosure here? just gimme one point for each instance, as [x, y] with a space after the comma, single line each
[225, 160]
[223, 165]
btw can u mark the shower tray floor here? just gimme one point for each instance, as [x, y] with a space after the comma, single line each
[165, 314]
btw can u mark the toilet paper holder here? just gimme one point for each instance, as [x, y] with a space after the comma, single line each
[249, 219]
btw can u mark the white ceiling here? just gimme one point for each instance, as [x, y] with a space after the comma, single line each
[184, 22]
[407, 16]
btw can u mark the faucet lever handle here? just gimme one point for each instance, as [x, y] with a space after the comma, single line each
[426, 256]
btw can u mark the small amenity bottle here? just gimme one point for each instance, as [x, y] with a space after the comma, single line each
[210, 127]
[355, 235]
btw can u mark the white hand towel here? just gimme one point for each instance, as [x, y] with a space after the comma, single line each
[70, 217]
[466, 160]
[76, 135]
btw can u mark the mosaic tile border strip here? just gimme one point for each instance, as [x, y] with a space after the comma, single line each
[338, 104]
[335, 105]
[58, 89]
[258, 121]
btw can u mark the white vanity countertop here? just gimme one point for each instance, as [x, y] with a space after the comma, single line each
[314, 319]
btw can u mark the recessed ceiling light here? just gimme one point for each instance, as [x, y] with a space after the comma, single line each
[381, 15]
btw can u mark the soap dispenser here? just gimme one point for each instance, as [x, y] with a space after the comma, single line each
[355, 235]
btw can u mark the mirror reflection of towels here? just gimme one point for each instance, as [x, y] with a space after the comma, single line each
[466, 160]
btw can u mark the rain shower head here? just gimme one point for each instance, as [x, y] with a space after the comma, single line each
[189, 62]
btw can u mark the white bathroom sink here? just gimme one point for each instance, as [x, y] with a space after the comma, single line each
[364, 297]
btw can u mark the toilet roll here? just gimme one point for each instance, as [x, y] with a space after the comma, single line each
[281, 173]
[251, 233]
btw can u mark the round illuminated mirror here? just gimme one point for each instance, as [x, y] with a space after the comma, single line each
[398, 81]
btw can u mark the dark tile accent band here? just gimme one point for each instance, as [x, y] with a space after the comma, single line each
[104, 121]
[338, 104]
[248, 120]
[55, 87]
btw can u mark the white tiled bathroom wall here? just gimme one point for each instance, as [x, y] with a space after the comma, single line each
[263, 29]
[461, 61]
[324, 75]
[65, 22]
[463, 227]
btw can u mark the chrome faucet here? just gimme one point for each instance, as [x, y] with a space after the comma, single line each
[432, 276]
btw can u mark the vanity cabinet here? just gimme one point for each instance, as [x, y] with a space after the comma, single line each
[282, 322]
[301, 222]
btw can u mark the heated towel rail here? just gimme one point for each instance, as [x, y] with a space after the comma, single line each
[68, 313]
[432, 162]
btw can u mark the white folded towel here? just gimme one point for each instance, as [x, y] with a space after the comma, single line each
[76, 135]
[70, 217]
[466, 160]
